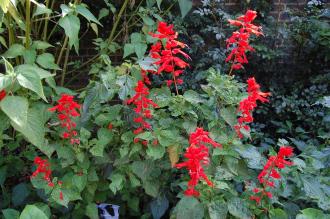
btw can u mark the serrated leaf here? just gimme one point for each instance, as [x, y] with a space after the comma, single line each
[71, 26]
[31, 82]
[217, 210]
[87, 14]
[32, 212]
[117, 181]
[155, 151]
[47, 61]
[92, 211]
[189, 208]
[229, 115]
[159, 206]
[185, 7]
[79, 181]
[16, 108]
[10, 213]
[140, 49]
[33, 69]
[14, 51]
[238, 208]
[128, 49]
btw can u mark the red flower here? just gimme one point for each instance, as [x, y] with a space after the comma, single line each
[198, 156]
[247, 105]
[43, 167]
[167, 56]
[61, 195]
[2, 94]
[67, 108]
[239, 41]
[270, 172]
[143, 104]
[110, 126]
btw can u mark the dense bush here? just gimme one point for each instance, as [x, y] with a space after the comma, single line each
[151, 135]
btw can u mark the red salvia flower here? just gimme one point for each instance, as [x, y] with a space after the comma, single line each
[167, 56]
[270, 173]
[198, 156]
[2, 94]
[67, 109]
[239, 41]
[142, 107]
[247, 105]
[43, 167]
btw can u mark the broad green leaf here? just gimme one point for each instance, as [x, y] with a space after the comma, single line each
[16, 108]
[311, 213]
[3, 175]
[189, 208]
[47, 61]
[79, 182]
[151, 188]
[278, 213]
[10, 213]
[41, 45]
[41, 9]
[238, 208]
[117, 182]
[33, 69]
[252, 156]
[104, 12]
[20, 193]
[14, 51]
[155, 151]
[192, 97]
[136, 38]
[33, 129]
[128, 49]
[65, 10]
[142, 169]
[31, 82]
[159, 206]
[148, 20]
[217, 210]
[29, 56]
[140, 49]
[32, 212]
[92, 211]
[185, 7]
[68, 195]
[98, 149]
[5, 81]
[71, 26]
[159, 2]
[9, 67]
[81, 9]
[4, 5]
[229, 115]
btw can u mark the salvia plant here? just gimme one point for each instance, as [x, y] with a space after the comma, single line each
[155, 150]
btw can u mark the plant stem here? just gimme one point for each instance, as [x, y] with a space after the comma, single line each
[231, 70]
[65, 66]
[28, 23]
[114, 28]
[62, 50]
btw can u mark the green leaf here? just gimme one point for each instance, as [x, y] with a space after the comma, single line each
[33, 69]
[47, 61]
[32, 212]
[159, 206]
[41, 9]
[4, 5]
[159, 2]
[20, 193]
[142, 169]
[98, 149]
[29, 56]
[238, 208]
[14, 51]
[3, 175]
[5, 81]
[311, 213]
[192, 97]
[229, 115]
[148, 20]
[81, 9]
[33, 129]
[10, 213]
[155, 151]
[140, 49]
[151, 188]
[71, 26]
[92, 211]
[104, 12]
[128, 49]
[40, 45]
[217, 210]
[16, 108]
[117, 182]
[189, 208]
[278, 213]
[79, 182]
[185, 7]
[31, 82]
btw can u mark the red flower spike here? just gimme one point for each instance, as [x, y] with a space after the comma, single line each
[239, 41]
[43, 167]
[247, 105]
[110, 126]
[61, 196]
[2, 94]
[269, 173]
[67, 109]
[167, 56]
[142, 107]
[197, 155]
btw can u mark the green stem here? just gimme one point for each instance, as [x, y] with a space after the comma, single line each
[62, 50]
[65, 66]
[28, 23]
[114, 28]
